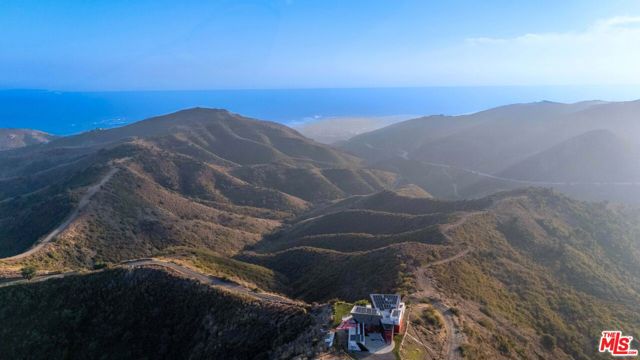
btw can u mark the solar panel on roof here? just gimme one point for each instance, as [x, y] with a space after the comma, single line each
[364, 310]
[385, 301]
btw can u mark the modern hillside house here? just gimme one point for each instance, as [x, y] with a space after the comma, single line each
[372, 327]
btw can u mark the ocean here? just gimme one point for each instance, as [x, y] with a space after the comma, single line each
[65, 113]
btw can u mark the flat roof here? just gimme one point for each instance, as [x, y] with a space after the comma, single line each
[363, 310]
[385, 301]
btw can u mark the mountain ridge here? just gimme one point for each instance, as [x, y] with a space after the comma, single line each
[267, 208]
[472, 155]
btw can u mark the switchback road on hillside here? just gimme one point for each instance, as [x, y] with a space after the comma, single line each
[84, 201]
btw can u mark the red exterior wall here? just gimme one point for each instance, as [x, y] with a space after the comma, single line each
[399, 328]
[388, 335]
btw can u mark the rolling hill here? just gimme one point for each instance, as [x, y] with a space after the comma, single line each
[199, 177]
[595, 156]
[543, 265]
[473, 155]
[597, 165]
[99, 316]
[524, 273]
[518, 266]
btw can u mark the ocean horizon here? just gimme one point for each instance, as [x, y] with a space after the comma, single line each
[70, 112]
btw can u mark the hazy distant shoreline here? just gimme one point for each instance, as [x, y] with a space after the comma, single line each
[64, 113]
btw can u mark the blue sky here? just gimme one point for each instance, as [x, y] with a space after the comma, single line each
[160, 45]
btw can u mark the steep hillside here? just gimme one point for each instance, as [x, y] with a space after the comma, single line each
[145, 314]
[595, 156]
[413, 190]
[545, 275]
[212, 134]
[153, 201]
[413, 136]
[201, 178]
[443, 181]
[209, 262]
[359, 245]
[501, 136]
[401, 138]
[457, 157]
[393, 202]
[529, 273]
[28, 215]
[316, 274]
[316, 184]
[17, 138]
[367, 222]
[597, 165]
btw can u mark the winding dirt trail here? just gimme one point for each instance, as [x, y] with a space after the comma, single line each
[84, 201]
[449, 259]
[455, 337]
[40, 278]
[208, 279]
[180, 269]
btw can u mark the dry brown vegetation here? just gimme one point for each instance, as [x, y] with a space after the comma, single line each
[538, 273]
[539, 276]
[178, 186]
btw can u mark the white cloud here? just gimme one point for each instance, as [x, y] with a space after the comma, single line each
[607, 24]
[607, 52]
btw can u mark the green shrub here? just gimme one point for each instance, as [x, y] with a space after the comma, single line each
[548, 342]
[99, 265]
[468, 351]
[432, 317]
[486, 323]
[28, 272]
[503, 345]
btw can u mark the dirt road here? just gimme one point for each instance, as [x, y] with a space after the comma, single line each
[182, 270]
[455, 337]
[84, 201]
[208, 279]
[19, 280]
[449, 259]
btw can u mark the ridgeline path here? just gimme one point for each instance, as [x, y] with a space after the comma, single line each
[208, 279]
[84, 201]
[455, 337]
[19, 280]
[180, 269]
[449, 259]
